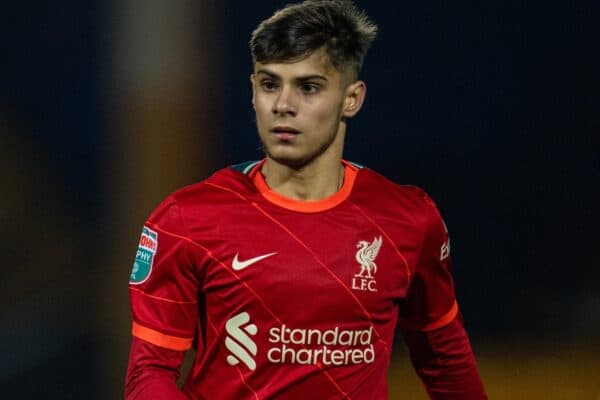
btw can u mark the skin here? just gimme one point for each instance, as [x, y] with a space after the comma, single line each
[301, 111]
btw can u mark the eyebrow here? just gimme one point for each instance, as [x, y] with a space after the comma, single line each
[303, 78]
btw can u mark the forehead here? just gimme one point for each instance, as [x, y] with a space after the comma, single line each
[317, 63]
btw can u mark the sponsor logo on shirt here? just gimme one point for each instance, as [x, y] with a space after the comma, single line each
[307, 346]
[301, 346]
[365, 256]
[241, 347]
[144, 257]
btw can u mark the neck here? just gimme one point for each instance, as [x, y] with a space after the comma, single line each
[315, 181]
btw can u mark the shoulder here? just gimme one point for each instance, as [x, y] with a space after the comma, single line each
[223, 183]
[224, 187]
[377, 191]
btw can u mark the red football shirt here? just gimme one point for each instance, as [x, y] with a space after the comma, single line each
[290, 299]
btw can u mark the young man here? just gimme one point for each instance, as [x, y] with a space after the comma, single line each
[290, 274]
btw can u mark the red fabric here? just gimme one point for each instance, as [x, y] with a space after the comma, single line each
[314, 317]
[152, 372]
[442, 358]
[444, 361]
[166, 300]
[431, 294]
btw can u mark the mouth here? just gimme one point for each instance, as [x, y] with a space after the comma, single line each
[285, 132]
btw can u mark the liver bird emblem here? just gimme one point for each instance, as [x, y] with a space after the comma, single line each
[365, 256]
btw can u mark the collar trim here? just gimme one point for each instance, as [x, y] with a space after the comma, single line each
[350, 172]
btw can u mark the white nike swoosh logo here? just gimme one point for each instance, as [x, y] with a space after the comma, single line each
[240, 265]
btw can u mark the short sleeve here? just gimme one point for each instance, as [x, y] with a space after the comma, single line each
[430, 302]
[163, 286]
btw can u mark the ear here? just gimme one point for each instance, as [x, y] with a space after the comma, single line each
[253, 82]
[355, 97]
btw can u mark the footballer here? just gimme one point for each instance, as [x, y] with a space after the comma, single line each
[289, 275]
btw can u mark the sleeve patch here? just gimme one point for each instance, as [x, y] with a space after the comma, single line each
[144, 257]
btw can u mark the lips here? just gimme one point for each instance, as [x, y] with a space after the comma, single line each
[285, 133]
[285, 129]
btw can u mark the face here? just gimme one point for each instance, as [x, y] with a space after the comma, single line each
[301, 108]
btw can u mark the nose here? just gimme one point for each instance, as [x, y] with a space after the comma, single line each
[285, 103]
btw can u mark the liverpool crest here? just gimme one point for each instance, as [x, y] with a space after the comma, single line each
[365, 256]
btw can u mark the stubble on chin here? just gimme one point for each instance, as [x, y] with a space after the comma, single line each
[298, 162]
[290, 162]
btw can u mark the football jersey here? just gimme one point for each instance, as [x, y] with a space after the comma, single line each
[290, 299]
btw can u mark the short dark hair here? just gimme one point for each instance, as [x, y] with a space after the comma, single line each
[298, 30]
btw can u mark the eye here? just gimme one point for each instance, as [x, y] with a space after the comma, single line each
[310, 88]
[268, 86]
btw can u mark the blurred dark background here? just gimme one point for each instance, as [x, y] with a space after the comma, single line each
[493, 108]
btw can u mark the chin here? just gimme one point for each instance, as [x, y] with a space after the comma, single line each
[289, 160]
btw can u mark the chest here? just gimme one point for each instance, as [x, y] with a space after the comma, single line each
[323, 266]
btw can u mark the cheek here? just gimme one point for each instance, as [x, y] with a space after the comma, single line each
[327, 113]
[263, 104]
[261, 111]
